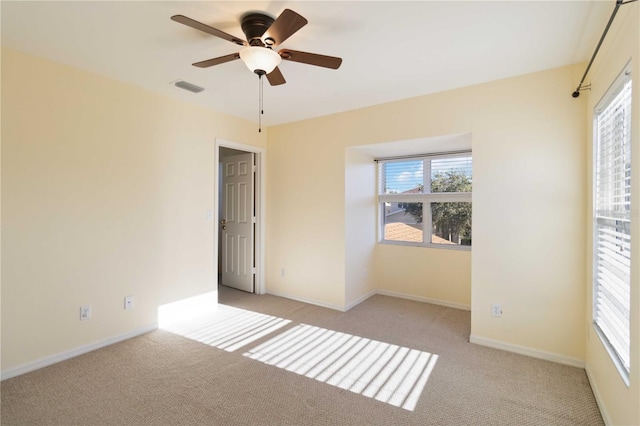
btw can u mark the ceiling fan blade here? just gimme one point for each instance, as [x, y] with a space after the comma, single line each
[207, 29]
[285, 26]
[275, 77]
[217, 61]
[311, 58]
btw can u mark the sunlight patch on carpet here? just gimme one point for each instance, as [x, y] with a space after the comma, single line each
[221, 326]
[389, 373]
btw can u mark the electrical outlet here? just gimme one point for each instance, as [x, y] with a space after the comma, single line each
[85, 312]
[128, 302]
[496, 310]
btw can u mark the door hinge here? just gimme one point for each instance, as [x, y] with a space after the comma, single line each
[253, 168]
[253, 270]
[253, 219]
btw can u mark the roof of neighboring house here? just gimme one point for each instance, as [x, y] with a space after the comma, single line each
[416, 190]
[402, 232]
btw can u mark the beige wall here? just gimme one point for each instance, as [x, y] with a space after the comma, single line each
[529, 198]
[105, 193]
[360, 219]
[305, 233]
[528, 213]
[619, 403]
[435, 275]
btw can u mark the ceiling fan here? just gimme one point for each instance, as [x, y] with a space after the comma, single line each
[263, 33]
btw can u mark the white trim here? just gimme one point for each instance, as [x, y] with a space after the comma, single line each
[427, 197]
[596, 393]
[424, 299]
[427, 156]
[304, 300]
[261, 191]
[426, 245]
[80, 350]
[360, 299]
[523, 350]
[368, 295]
[621, 331]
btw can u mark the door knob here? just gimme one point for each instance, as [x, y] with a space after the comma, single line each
[223, 222]
[224, 227]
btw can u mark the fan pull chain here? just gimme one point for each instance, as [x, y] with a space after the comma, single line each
[260, 102]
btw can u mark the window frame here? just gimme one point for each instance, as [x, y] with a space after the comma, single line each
[426, 198]
[605, 102]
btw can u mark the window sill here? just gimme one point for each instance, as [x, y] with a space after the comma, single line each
[425, 245]
[624, 374]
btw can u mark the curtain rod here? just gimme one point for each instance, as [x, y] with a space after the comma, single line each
[606, 30]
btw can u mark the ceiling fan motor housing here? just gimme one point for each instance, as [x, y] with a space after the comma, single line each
[254, 26]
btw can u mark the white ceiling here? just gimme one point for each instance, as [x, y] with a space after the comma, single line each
[391, 50]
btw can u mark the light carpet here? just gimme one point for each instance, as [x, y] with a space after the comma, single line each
[299, 364]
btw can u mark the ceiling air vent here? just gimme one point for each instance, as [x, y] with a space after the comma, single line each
[188, 86]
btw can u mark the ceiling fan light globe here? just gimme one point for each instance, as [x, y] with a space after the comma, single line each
[258, 58]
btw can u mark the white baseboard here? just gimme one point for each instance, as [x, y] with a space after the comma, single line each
[359, 300]
[368, 295]
[53, 359]
[424, 299]
[523, 350]
[304, 300]
[598, 396]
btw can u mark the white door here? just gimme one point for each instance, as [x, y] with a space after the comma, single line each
[237, 222]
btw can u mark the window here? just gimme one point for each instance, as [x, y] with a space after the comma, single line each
[612, 221]
[426, 201]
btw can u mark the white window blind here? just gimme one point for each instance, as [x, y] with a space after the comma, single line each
[612, 220]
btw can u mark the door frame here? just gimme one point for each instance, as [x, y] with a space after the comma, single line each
[260, 204]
